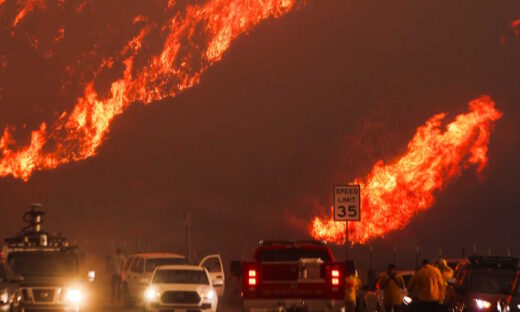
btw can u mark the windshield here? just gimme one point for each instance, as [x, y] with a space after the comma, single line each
[151, 264]
[43, 263]
[292, 254]
[490, 282]
[181, 277]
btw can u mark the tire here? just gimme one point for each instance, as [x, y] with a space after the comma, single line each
[127, 299]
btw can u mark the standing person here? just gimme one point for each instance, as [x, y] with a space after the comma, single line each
[352, 286]
[391, 283]
[428, 280]
[117, 262]
[446, 273]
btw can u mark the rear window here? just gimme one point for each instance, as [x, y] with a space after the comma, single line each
[490, 281]
[292, 254]
[152, 263]
[181, 277]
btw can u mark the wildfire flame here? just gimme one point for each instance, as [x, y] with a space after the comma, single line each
[515, 25]
[28, 7]
[392, 194]
[78, 134]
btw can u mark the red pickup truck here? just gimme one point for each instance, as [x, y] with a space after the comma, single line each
[290, 276]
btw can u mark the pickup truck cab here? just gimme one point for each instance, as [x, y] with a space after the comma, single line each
[139, 268]
[293, 275]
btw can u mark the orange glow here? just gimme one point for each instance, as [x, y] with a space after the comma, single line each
[28, 6]
[392, 194]
[78, 134]
[516, 27]
[60, 35]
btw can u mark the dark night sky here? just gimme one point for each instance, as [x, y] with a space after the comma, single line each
[266, 133]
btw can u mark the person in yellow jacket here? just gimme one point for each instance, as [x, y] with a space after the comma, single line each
[391, 283]
[428, 281]
[446, 273]
[352, 286]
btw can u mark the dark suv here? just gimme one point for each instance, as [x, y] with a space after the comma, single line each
[485, 284]
[47, 266]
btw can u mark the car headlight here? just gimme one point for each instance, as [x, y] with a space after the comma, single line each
[4, 297]
[209, 295]
[151, 294]
[407, 300]
[482, 304]
[73, 295]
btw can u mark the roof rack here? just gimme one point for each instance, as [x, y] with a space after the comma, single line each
[494, 262]
[33, 238]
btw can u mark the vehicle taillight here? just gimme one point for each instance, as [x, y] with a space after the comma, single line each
[252, 277]
[335, 277]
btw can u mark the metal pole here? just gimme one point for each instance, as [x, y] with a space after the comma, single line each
[346, 263]
[188, 253]
[370, 257]
[417, 250]
[346, 240]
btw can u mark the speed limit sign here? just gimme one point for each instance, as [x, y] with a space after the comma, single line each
[347, 203]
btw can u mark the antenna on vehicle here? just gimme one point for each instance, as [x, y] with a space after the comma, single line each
[32, 234]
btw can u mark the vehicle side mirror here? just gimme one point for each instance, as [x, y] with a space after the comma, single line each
[451, 281]
[91, 276]
[218, 281]
[16, 279]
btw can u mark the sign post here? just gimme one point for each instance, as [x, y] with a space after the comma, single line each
[347, 207]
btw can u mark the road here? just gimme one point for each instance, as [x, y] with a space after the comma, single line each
[118, 308]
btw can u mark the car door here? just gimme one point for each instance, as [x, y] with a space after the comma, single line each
[213, 263]
[126, 269]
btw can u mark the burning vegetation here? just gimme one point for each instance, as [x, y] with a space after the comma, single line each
[391, 194]
[196, 39]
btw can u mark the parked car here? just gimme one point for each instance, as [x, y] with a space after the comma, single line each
[9, 289]
[294, 276]
[485, 284]
[180, 288]
[139, 268]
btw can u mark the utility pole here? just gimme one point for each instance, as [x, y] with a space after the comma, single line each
[417, 251]
[187, 221]
[370, 257]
